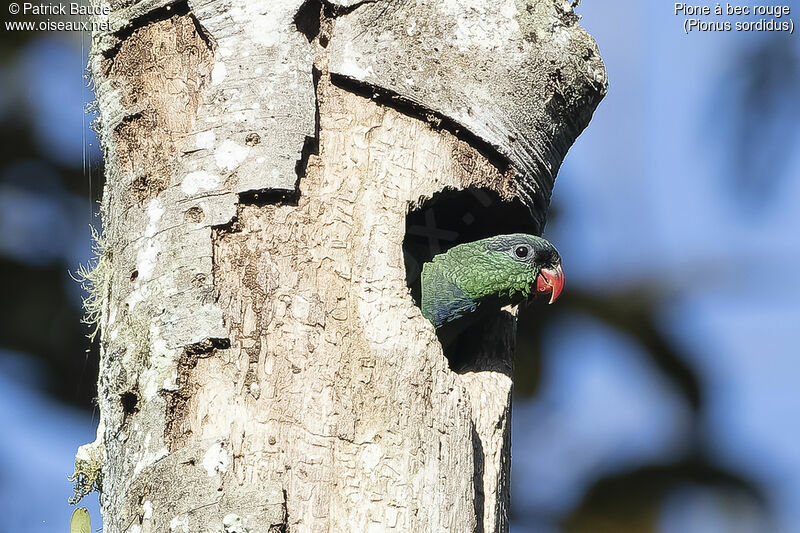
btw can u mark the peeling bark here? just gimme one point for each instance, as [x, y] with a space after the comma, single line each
[264, 367]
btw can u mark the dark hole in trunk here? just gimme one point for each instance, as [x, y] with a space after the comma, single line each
[449, 218]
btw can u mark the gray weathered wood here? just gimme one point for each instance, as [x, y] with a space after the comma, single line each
[522, 77]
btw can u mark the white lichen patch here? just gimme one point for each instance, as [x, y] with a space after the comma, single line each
[233, 523]
[269, 365]
[205, 140]
[218, 73]
[371, 456]
[161, 372]
[139, 294]
[561, 36]
[170, 383]
[351, 62]
[146, 260]
[230, 155]
[154, 213]
[215, 460]
[300, 307]
[179, 524]
[263, 28]
[200, 180]
[147, 510]
[149, 248]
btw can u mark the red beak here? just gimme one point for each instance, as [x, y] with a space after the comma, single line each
[550, 280]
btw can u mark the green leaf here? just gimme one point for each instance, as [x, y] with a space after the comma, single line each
[81, 522]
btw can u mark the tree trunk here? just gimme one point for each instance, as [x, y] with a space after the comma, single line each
[264, 366]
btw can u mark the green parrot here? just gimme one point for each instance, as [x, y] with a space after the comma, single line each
[485, 275]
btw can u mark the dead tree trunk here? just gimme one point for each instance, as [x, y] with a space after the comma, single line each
[264, 366]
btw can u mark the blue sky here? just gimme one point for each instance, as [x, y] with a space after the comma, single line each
[644, 196]
[37, 451]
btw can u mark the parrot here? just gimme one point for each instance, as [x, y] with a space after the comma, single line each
[476, 277]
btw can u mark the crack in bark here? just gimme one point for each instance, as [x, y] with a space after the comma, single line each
[284, 526]
[177, 401]
[477, 478]
[262, 197]
[311, 143]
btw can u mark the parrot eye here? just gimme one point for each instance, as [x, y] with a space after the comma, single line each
[521, 252]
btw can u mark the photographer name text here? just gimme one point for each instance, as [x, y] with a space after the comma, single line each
[71, 9]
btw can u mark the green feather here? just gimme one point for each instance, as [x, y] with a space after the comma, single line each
[482, 275]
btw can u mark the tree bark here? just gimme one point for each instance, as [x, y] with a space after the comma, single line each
[264, 367]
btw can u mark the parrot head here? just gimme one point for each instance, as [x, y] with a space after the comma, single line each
[519, 265]
[487, 274]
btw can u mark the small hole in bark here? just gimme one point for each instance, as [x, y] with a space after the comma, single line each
[134, 275]
[449, 218]
[130, 403]
[307, 19]
[193, 214]
[454, 217]
[207, 347]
